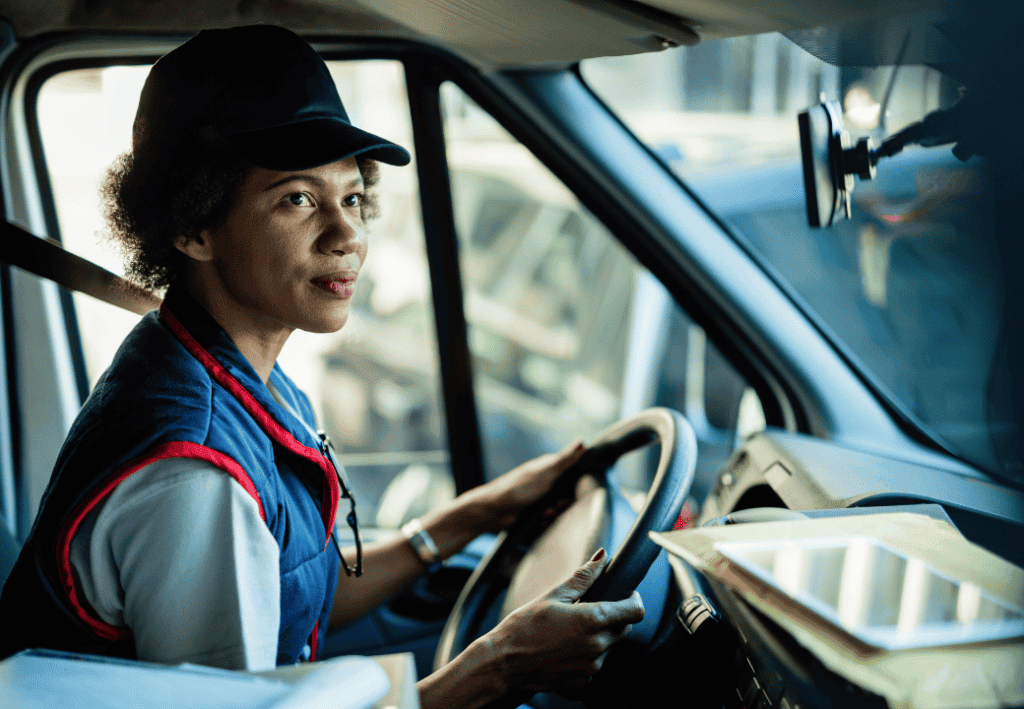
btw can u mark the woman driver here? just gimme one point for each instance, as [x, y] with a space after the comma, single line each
[189, 514]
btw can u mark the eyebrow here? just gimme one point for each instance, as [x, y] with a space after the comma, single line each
[318, 181]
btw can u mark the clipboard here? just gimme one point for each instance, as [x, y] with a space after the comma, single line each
[815, 579]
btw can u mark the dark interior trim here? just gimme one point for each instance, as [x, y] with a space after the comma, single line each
[12, 410]
[39, 164]
[465, 446]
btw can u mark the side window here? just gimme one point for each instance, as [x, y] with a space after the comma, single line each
[568, 331]
[375, 383]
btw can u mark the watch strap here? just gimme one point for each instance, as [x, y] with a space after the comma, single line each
[423, 544]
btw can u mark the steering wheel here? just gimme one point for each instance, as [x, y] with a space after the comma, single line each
[535, 554]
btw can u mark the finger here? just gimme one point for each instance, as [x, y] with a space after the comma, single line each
[618, 631]
[582, 578]
[574, 449]
[567, 457]
[615, 614]
[549, 468]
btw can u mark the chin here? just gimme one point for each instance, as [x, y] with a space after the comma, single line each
[325, 323]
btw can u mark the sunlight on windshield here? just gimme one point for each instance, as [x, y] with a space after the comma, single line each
[905, 284]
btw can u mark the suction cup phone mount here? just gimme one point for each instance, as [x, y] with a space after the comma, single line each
[830, 163]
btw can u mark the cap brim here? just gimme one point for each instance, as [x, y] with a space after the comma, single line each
[312, 143]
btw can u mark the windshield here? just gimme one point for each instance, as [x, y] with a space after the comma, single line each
[905, 286]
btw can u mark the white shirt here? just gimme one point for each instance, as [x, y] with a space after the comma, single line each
[179, 554]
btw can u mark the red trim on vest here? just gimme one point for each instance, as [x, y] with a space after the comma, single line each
[332, 494]
[173, 449]
[314, 640]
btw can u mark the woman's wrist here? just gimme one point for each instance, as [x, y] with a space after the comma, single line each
[475, 678]
[423, 544]
[454, 526]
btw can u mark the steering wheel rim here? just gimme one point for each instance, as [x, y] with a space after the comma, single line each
[629, 563]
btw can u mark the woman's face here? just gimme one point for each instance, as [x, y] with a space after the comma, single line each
[289, 251]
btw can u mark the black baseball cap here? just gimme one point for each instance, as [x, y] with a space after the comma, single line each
[263, 90]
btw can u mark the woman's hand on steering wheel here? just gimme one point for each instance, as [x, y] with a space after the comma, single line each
[555, 643]
[497, 504]
[551, 643]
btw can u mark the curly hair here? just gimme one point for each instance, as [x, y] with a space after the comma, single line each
[151, 197]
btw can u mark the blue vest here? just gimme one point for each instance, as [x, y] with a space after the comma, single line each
[178, 387]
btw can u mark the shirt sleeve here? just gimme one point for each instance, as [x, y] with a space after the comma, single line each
[179, 554]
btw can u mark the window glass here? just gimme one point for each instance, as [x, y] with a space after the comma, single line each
[568, 331]
[374, 384]
[906, 284]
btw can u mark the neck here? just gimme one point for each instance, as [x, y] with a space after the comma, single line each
[260, 339]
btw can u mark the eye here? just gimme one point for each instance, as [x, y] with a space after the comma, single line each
[299, 199]
[353, 200]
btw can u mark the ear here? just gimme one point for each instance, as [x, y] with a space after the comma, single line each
[196, 248]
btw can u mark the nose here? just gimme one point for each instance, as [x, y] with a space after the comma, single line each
[340, 231]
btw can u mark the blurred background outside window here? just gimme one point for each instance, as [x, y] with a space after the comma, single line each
[568, 331]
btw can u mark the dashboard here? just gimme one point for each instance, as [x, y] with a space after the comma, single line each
[778, 469]
[734, 641]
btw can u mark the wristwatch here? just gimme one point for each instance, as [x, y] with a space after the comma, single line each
[423, 544]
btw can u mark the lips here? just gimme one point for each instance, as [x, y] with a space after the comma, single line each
[339, 284]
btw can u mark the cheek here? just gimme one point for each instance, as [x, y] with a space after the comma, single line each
[364, 243]
[268, 253]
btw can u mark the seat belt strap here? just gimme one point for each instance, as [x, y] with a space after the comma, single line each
[47, 259]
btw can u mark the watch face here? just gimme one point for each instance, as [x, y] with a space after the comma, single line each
[423, 544]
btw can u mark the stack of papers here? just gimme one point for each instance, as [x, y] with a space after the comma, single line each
[43, 679]
[900, 604]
